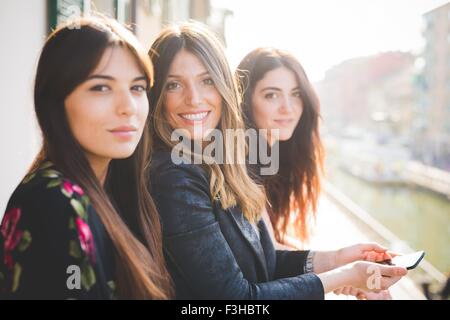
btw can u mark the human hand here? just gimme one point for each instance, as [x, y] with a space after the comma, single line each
[372, 277]
[370, 251]
[363, 295]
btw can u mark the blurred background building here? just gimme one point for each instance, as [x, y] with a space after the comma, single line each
[397, 95]
[375, 92]
[434, 127]
[386, 126]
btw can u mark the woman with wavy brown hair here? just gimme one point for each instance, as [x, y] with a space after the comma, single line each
[292, 192]
[280, 102]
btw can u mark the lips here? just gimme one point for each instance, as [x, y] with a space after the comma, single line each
[284, 122]
[124, 131]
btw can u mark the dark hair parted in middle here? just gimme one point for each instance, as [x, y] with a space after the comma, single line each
[124, 205]
[293, 192]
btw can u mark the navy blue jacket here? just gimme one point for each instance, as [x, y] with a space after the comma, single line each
[217, 254]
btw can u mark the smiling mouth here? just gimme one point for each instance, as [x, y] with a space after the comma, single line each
[195, 117]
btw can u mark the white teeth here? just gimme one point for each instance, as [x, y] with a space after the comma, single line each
[194, 116]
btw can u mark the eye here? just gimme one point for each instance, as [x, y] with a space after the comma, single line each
[100, 88]
[271, 95]
[139, 88]
[172, 86]
[208, 82]
[296, 94]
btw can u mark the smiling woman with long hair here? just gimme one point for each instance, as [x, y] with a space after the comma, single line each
[82, 224]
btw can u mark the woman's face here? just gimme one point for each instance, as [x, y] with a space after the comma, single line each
[107, 112]
[276, 102]
[191, 100]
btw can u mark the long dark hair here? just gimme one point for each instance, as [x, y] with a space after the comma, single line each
[68, 57]
[293, 192]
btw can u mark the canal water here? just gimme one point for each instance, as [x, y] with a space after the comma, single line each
[417, 216]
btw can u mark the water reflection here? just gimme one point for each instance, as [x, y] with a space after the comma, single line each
[417, 216]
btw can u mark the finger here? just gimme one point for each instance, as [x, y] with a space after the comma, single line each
[376, 256]
[387, 256]
[354, 291]
[381, 295]
[386, 295]
[338, 291]
[361, 296]
[382, 256]
[371, 256]
[392, 271]
[388, 282]
[373, 246]
[393, 254]
[371, 295]
[346, 291]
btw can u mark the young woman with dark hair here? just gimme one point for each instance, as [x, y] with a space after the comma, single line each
[293, 192]
[277, 95]
[81, 224]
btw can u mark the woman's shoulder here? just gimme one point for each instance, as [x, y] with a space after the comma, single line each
[47, 223]
[49, 194]
[182, 196]
[166, 169]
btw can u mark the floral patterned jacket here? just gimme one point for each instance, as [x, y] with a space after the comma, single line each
[52, 243]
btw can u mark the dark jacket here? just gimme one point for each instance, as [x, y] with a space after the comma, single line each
[216, 254]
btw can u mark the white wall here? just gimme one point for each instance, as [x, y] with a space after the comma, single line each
[22, 34]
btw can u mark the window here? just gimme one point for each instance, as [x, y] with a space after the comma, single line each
[156, 7]
[60, 11]
[107, 7]
[122, 10]
[125, 11]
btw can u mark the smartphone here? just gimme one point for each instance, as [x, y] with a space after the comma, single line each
[408, 261]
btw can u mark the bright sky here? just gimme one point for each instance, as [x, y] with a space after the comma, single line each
[322, 33]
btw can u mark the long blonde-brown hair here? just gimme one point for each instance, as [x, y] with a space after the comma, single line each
[67, 59]
[229, 182]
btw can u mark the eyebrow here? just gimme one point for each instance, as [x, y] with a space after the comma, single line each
[105, 77]
[270, 88]
[278, 89]
[179, 76]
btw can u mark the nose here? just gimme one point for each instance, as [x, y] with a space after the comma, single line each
[194, 96]
[126, 104]
[286, 105]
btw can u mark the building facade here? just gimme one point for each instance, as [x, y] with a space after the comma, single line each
[373, 94]
[435, 102]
